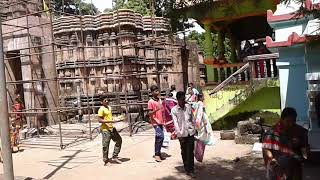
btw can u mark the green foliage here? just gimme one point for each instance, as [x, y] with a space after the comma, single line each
[200, 38]
[76, 7]
[107, 10]
[139, 6]
[265, 103]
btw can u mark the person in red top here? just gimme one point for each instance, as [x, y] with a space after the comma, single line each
[18, 107]
[156, 119]
[17, 122]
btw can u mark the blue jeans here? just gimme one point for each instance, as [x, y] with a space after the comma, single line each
[158, 139]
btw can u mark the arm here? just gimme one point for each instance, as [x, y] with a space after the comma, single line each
[101, 119]
[101, 116]
[267, 155]
[176, 124]
[153, 110]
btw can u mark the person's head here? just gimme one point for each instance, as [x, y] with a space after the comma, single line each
[181, 98]
[288, 117]
[13, 123]
[105, 102]
[190, 91]
[200, 97]
[18, 99]
[154, 91]
[173, 88]
[190, 85]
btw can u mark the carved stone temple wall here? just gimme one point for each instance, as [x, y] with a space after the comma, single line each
[112, 53]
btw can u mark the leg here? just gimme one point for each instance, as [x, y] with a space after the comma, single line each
[118, 140]
[158, 140]
[295, 172]
[190, 154]
[183, 147]
[106, 137]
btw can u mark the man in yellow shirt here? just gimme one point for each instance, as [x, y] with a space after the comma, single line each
[108, 132]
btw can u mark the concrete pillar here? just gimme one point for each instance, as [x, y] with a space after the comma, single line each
[221, 47]
[208, 43]
[233, 57]
[29, 96]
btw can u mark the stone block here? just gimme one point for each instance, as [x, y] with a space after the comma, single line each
[247, 139]
[227, 135]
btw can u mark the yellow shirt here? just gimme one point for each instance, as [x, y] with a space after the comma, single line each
[106, 114]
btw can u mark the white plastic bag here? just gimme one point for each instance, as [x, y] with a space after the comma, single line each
[166, 139]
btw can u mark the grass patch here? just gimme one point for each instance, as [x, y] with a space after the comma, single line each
[266, 99]
[265, 103]
[213, 103]
[230, 122]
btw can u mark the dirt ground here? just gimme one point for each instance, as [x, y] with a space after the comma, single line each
[84, 161]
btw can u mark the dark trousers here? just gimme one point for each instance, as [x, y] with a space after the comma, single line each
[187, 148]
[106, 137]
[158, 140]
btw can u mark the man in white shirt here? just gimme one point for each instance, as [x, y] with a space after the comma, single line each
[173, 91]
[185, 130]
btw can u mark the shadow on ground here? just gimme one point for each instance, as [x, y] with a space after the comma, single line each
[245, 168]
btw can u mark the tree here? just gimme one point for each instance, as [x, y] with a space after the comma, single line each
[75, 7]
[199, 38]
[139, 6]
[162, 8]
[304, 10]
[108, 10]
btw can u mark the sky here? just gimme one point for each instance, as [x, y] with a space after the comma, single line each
[102, 4]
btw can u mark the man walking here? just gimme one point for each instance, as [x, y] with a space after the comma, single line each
[108, 132]
[185, 130]
[156, 117]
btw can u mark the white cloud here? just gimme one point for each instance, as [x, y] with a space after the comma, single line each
[101, 4]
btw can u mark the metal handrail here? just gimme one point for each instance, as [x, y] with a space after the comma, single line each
[230, 79]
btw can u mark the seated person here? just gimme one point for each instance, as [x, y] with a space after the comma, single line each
[284, 147]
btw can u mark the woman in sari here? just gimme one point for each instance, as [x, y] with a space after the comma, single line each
[191, 98]
[168, 104]
[204, 134]
[284, 148]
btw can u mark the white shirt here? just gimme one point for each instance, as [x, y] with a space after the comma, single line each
[195, 91]
[174, 93]
[183, 120]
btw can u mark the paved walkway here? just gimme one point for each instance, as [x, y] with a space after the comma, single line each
[84, 161]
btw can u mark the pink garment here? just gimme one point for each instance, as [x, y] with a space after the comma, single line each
[156, 118]
[199, 150]
[168, 104]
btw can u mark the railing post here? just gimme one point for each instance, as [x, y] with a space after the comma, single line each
[253, 70]
[219, 74]
[275, 68]
[232, 70]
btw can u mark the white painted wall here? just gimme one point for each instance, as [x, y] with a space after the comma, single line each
[283, 34]
[287, 8]
[283, 78]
